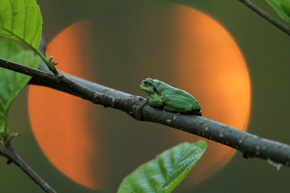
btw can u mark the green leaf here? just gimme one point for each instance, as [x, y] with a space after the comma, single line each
[11, 83]
[21, 20]
[286, 8]
[282, 7]
[166, 171]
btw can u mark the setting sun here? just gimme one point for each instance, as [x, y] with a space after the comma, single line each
[206, 62]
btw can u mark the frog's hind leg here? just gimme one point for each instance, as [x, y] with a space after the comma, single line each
[155, 102]
[197, 112]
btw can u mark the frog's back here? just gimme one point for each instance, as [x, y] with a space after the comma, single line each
[188, 97]
[168, 91]
[162, 86]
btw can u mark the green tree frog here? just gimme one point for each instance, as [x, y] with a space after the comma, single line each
[162, 95]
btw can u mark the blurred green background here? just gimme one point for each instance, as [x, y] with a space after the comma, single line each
[265, 48]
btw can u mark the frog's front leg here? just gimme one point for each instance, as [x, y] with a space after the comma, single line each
[155, 102]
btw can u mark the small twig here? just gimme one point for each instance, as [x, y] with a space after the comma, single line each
[11, 155]
[266, 16]
[250, 145]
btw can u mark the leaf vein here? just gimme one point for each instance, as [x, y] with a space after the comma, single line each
[149, 181]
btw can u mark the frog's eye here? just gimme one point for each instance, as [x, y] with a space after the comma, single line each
[149, 84]
[146, 83]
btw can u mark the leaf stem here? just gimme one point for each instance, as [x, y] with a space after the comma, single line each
[266, 16]
[48, 64]
[19, 39]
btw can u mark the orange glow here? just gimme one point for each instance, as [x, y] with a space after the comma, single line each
[60, 121]
[207, 63]
[212, 68]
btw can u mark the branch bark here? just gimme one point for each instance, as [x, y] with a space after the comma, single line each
[266, 16]
[12, 156]
[250, 145]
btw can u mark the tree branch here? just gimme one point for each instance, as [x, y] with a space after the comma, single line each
[266, 16]
[250, 145]
[9, 153]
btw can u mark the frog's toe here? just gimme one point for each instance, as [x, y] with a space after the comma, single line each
[197, 112]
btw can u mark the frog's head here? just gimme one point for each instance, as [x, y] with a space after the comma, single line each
[148, 86]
